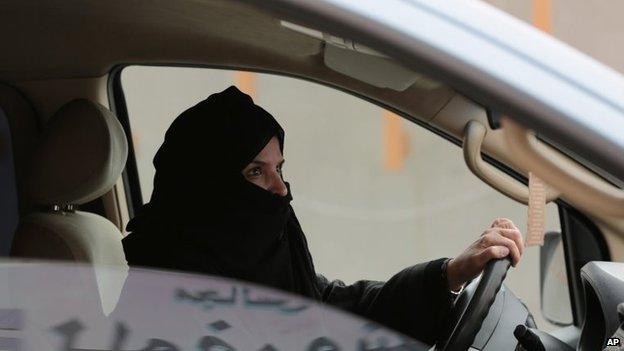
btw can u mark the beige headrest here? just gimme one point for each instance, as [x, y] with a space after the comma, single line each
[80, 156]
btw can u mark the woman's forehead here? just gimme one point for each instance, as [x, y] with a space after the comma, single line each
[270, 153]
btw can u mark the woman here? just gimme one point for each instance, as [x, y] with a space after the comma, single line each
[220, 206]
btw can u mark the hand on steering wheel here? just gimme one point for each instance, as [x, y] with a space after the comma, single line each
[502, 239]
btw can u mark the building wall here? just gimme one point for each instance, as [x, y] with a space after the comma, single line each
[594, 27]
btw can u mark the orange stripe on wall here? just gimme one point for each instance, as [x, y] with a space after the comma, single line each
[394, 142]
[542, 17]
[246, 82]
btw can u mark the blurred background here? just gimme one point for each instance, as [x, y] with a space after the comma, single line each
[374, 193]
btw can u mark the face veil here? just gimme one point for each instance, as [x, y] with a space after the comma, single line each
[204, 216]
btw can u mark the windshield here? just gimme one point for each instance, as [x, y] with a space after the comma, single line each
[62, 306]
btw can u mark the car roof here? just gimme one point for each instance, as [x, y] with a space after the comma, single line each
[185, 32]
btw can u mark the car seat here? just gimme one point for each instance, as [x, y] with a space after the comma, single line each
[79, 157]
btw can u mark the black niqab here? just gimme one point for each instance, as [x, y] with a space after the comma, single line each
[205, 217]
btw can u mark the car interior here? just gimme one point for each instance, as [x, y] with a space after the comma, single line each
[66, 148]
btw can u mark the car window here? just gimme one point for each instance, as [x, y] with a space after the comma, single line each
[374, 193]
[141, 309]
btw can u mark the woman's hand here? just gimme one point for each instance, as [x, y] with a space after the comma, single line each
[498, 241]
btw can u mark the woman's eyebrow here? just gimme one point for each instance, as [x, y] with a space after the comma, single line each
[262, 163]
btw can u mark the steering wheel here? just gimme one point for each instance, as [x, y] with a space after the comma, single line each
[473, 305]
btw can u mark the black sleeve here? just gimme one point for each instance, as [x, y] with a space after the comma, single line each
[415, 301]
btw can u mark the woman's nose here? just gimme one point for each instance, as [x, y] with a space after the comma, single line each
[277, 185]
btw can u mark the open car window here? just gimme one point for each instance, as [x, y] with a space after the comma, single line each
[374, 192]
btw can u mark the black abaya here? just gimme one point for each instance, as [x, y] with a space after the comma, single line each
[205, 217]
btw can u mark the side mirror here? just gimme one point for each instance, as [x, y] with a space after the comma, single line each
[554, 290]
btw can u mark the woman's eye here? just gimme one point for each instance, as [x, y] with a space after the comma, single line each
[254, 172]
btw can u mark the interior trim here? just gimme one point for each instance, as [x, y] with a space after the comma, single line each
[130, 174]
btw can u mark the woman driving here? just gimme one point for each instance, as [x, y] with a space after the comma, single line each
[220, 206]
